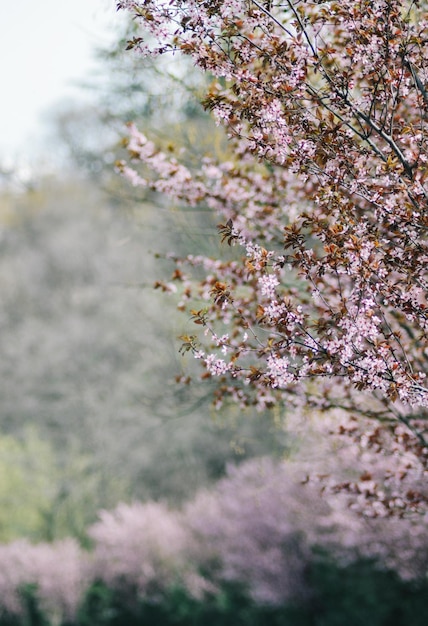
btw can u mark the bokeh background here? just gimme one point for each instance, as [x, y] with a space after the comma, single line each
[121, 490]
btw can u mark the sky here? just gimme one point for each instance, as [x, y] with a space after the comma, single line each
[46, 48]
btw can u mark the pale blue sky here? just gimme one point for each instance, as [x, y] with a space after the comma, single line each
[45, 46]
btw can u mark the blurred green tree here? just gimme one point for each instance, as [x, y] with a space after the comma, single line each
[89, 359]
[27, 466]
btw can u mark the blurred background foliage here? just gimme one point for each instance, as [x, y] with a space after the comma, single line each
[89, 349]
[89, 361]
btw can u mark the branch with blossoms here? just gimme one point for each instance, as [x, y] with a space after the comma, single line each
[325, 197]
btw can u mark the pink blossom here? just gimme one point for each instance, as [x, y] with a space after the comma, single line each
[59, 571]
[139, 545]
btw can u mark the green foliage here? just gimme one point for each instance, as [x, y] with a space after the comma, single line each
[230, 607]
[361, 594]
[31, 613]
[356, 595]
[45, 495]
[27, 468]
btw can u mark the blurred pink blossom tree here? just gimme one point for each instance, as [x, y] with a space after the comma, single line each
[259, 528]
[142, 547]
[58, 571]
[260, 525]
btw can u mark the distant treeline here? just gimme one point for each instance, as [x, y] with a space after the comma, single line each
[259, 548]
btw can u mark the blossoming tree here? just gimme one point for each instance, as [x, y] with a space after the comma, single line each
[325, 194]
